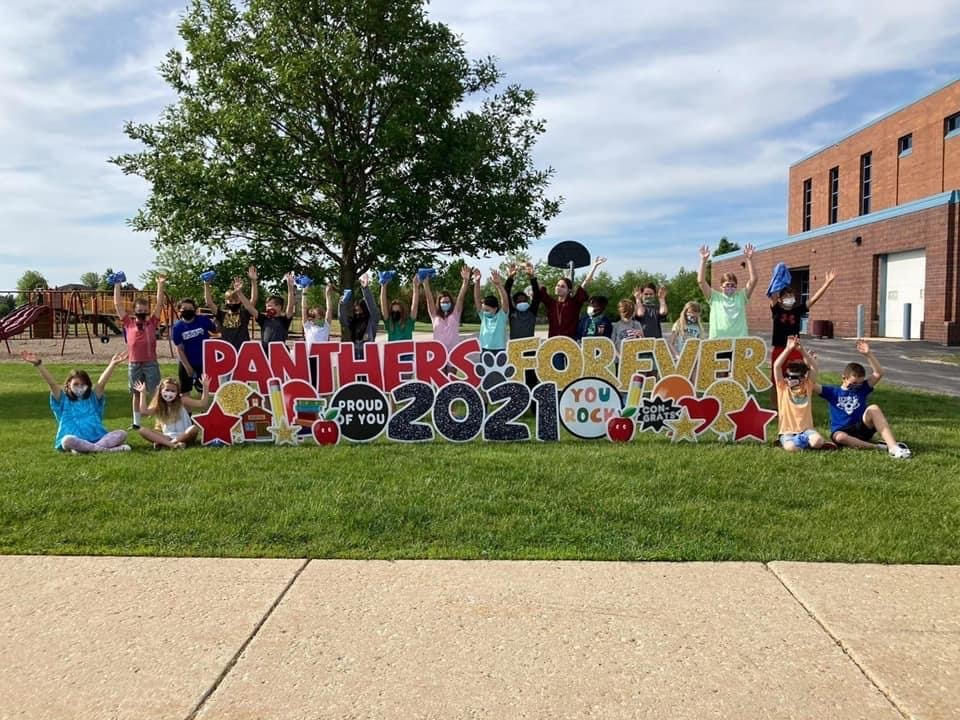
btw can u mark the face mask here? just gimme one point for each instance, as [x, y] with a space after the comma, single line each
[141, 316]
[271, 312]
[788, 302]
[233, 307]
[729, 291]
[188, 314]
[650, 302]
[489, 313]
[523, 306]
[79, 390]
[591, 311]
[794, 380]
[693, 319]
[169, 395]
[445, 306]
[395, 315]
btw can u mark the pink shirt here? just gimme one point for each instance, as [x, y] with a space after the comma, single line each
[142, 340]
[446, 330]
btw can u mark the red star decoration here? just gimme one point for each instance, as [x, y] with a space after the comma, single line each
[751, 421]
[216, 425]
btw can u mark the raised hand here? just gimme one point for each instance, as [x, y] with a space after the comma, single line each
[638, 292]
[830, 277]
[238, 283]
[31, 357]
[416, 279]
[662, 292]
[465, 272]
[252, 273]
[291, 278]
[748, 251]
[365, 280]
[118, 358]
[205, 379]
[863, 347]
[476, 275]
[531, 271]
[792, 342]
[161, 280]
[495, 277]
[139, 386]
[598, 261]
[512, 270]
[705, 252]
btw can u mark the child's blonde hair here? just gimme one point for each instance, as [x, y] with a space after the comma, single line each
[166, 412]
[680, 326]
[627, 306]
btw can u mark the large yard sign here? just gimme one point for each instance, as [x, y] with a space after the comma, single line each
[415, 391]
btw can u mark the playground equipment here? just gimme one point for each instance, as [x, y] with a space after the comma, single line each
[54, 314]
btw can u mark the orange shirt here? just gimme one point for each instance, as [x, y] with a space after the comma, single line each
[795, 406]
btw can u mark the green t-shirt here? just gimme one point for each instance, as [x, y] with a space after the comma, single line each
[493, 331]
[401, 330]
[728, 315]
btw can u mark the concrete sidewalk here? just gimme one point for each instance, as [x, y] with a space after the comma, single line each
[220, 638]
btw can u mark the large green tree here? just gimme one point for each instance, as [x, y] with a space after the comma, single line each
[30, 280]
[346, 134]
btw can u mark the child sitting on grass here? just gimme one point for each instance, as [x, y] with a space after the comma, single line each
[170, 409]
[795, 399]
[78, 408]
[853, 422]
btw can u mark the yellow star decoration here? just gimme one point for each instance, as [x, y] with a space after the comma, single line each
[284, 433]
[683, 427]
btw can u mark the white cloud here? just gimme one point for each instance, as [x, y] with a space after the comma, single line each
[651, 108]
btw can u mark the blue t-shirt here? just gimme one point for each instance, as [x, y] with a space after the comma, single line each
[493, 331]
[191, 335]
[846, 406]
[82, 417]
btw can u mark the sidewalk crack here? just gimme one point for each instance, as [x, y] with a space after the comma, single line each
[838, 643]
[236, 656]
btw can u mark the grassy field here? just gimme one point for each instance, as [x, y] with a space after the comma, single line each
[569, 500]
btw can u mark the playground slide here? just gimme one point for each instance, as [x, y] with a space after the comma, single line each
[20, 318]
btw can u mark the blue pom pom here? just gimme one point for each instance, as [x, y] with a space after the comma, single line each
[386, 276]
[347, 294]
[303, 282]
[208, 276]
[119, 277]
[424, 273]
[801, 441]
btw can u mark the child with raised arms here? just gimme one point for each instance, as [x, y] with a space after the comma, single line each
[397, 319]
[445, 313]
[169, 407]
[795, 390]
[140, 332]
[78, 406]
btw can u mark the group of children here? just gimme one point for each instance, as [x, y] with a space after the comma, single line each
[504, 315]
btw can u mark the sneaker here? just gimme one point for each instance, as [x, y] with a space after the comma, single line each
[901, 451]
[880, 446]
[133, 426]
[120, 448]
[179, 446]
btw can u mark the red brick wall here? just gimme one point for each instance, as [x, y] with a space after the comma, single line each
[932, 167]
[935, 229]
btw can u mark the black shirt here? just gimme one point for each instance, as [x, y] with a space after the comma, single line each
[786, 322]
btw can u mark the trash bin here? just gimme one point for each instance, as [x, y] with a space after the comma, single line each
[821, 328]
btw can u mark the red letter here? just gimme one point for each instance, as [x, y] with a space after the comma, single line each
[368, 365]
[219, 358]
[393, 366]
[324, 353]
[430, 357]
[252, 365]
[289, 367]
[458, 358]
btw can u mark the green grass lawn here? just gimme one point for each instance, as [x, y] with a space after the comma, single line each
[570, 500]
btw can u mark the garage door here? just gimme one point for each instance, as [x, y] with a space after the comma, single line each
[904, 284]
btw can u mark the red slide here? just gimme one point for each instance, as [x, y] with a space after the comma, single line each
[19, 319]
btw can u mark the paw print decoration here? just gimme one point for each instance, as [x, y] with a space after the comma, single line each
[494, 369]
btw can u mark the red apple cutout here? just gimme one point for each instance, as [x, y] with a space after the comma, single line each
[326, 431]
[621, 429]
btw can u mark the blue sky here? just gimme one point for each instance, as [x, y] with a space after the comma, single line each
[669, 124]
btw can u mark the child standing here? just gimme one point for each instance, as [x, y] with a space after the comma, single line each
[359, 320]
[853, 422]
[233, 319]
[317, 322]
[563, 313]
[275, 320]
[140, 331]
[794, 394]
[728, 308]
[398, 322]
[189, 334]
[78, 408]
[651, 309]
[493, 318]
[687, 326]
[523, 309]
[445, 314]
[170, 409]
[595, 323]
[627, 327]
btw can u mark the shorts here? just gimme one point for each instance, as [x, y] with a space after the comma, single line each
[859, 430]
[148, 372]
[186, 380]
[794, 438]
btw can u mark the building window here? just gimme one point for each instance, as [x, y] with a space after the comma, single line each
[951, 126]
[834, 195]
[866, 161]
[905, 145]
[807, 203]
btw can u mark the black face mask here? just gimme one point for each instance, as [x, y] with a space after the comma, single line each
[233, 307]
[395, 315]
[188, 314]
[141, 316]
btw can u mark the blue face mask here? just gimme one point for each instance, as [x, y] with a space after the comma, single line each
[445, 306]
[523, 306]
[489, 313]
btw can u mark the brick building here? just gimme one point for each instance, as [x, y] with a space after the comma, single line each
[882, 208]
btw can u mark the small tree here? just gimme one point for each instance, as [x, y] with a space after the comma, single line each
[30, 280]
[725, 246]
[91, 280]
